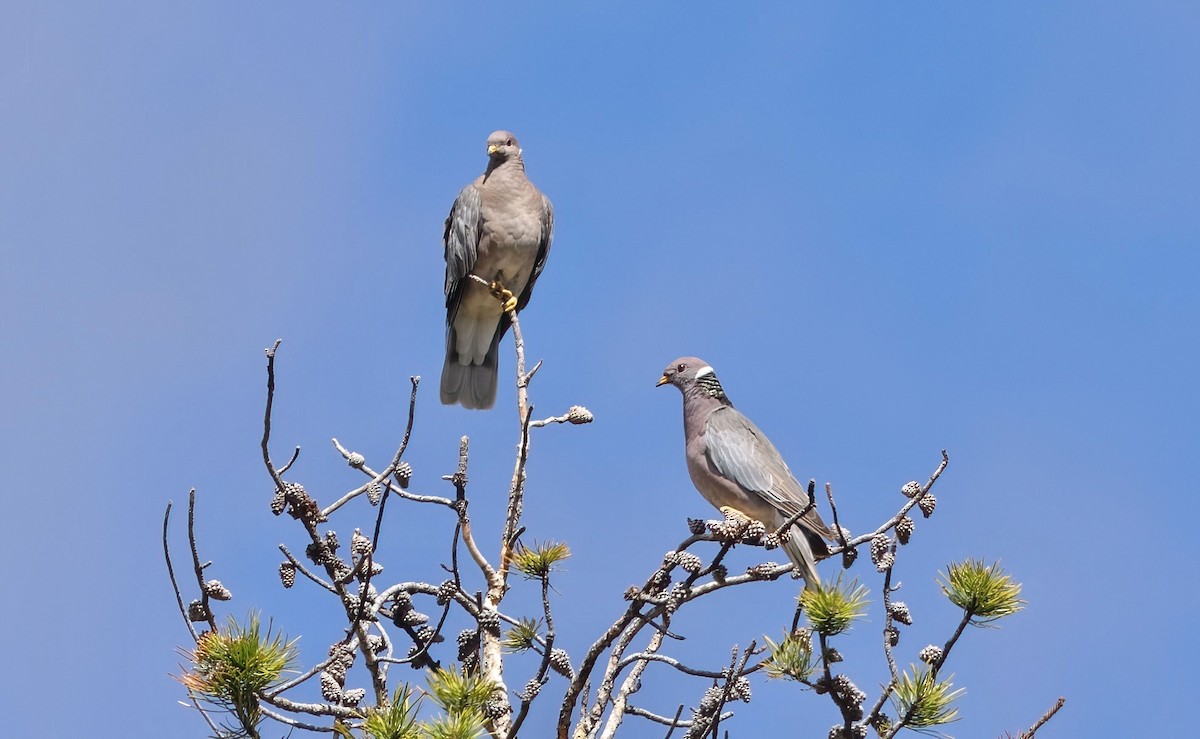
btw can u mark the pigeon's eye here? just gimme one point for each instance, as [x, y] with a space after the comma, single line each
[509, 142]
[681, 368]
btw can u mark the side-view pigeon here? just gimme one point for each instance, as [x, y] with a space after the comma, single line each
[737, 469]
[498, 230]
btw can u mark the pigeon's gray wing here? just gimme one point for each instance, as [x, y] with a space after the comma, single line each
[544, 239]
[463, 228]
[744, 455]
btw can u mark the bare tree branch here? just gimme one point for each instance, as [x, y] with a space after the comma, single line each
[1042, 721]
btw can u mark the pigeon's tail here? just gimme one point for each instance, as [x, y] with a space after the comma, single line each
[800, 546]
[470, 385]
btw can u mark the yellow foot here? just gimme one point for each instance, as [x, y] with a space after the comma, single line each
[734, 514]
[504, 295]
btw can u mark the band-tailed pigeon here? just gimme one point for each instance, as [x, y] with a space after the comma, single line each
[499, 230]
[737, 469]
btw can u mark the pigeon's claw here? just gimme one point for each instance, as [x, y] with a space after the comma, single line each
[504, 295]
[734, 514]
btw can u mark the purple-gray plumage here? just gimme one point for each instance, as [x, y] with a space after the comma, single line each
[499, 230]
[734, 465]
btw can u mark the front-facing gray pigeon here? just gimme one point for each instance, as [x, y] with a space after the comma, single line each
[498, 230]
[737, 469]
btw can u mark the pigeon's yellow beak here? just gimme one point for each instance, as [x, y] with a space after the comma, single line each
[662, 381]
[492, 149]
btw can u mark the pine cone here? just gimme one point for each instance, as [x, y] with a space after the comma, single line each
[359, 544]
[910, 489]
[197, 611]
[217, 591]
[689, 562]
[899, 612]
[761, 571]
[930, 654]
[317, 552]
[879, 547]
[532, 688]
[287, 574]
[578, 414]
[489, 620]
[374, 493]
[353, 697]
[755, 531]
[741, 689]
[278, 502]
[356, 460]
[330, 690]
[927, 503]
[711, 701]
[904, 529]
[403, 474]
[412, 618]
[848, 557]
[560, 662]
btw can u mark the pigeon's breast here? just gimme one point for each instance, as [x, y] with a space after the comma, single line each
[511, 237]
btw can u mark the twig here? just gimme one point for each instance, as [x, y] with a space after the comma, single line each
[672, 722]
[171, 573]
[306, 675]
[887, 617]
[1045, 717]
[781, 530]
[203, 713]
[460, 503]
[305, 571]
[212, 622]
[370, 556]
[266, 437]
[629, 686]
[547, 653]
[735, 670]
[650, 656]
[891, 522]
[292, 461]
[313, 709]
[293, 722]
[516, 497]
[837, 527]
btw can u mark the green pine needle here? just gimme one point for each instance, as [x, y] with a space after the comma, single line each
[537, 562]
[232, 665]
[467, 725]
[522, 636]
[458, 693]
[983, 591]
[924, 700]
[792, 657]
[398, 720]
[833, 607]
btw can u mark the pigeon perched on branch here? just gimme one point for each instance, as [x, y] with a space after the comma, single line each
[497, 238]
[737, 469]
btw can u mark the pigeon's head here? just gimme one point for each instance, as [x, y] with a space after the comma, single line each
[502, 146]
[692, 375]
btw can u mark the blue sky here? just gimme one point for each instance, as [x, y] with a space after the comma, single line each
[892, 230]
